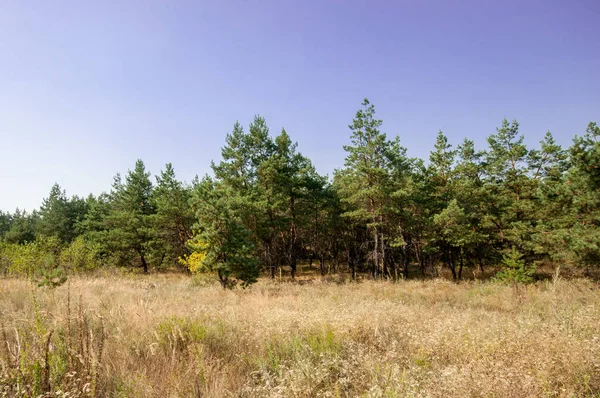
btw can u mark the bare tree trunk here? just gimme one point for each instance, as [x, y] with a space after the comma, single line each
[460, 269]
[451, 264]
[293, 268]
[222, 279]
[376, 254]
[405, 260]
[143, 259]
[420, 258]
[392, 267]
[480, 263]
[322, 263]
[292, 248]
[335, 259]
[384, 268]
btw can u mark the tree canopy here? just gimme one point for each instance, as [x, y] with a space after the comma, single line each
[266, 208]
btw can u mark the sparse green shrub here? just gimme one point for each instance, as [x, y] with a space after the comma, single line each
[515, 269]
[80, 256]
[52, 278]
[40, 358]
[177, 333]
[311, 344]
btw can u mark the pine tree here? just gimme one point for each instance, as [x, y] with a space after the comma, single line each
[173, 220]
[60, 216]
[222, 238]
[515, 269]
[510, 193]
[5, 222]
[571, 232]
[366, 183]
[23, 227]
[292, 180]
[129, 221]
[471, 193]
[54, 220]
[456, 235]
[239, 169]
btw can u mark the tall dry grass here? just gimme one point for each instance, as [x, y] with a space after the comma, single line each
[162, 336]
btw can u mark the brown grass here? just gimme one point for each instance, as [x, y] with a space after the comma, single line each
[162, 336]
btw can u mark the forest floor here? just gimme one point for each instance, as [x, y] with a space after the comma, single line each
[168, 335]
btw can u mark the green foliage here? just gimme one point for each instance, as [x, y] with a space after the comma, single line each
[222, 236]
[43, 358]
[46, 260]
[376, 169]
[22, 227]
[173, 220]
[453, 226]
[177, 333]
[60, 217]
[30, 259]
[5, 222]
[128, 223]
[267, 207]
[80, 255]
[51, 277]
[515, 269]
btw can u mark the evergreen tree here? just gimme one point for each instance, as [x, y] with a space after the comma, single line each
[60, 216]
[174, 218]
[23, 227]
[366, 183]
[221, 237]
[292, 180]
[5, 222]
[571, 233]
[456, 236]
[510, 194]
[471, 193]
[129, 221]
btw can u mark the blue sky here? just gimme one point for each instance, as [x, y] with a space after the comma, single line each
[86, 88]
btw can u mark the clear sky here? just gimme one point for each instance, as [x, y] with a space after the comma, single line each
[86, 88]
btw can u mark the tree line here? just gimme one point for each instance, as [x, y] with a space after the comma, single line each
[265, 207]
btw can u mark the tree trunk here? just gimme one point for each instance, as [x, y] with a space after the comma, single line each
[162, 258]
[222, 278]
[451, 264]
[270, 261]
[272, 267]
[376, 254]
[144, 263]
[420, 258]
[292, 248]
[351, 264]
[293, 266]
[384, 270]
[322, 263]
[394, 268]
[460, 268]
[481, 269]
[405, 260]
[335, 259]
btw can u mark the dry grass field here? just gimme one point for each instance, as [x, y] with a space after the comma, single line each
[164, 336]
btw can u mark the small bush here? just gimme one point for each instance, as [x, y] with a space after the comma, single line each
[515, 269]
[80, 256]
[42, 359]
[177, 333]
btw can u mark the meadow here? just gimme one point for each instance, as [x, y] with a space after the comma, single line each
[170, 335]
